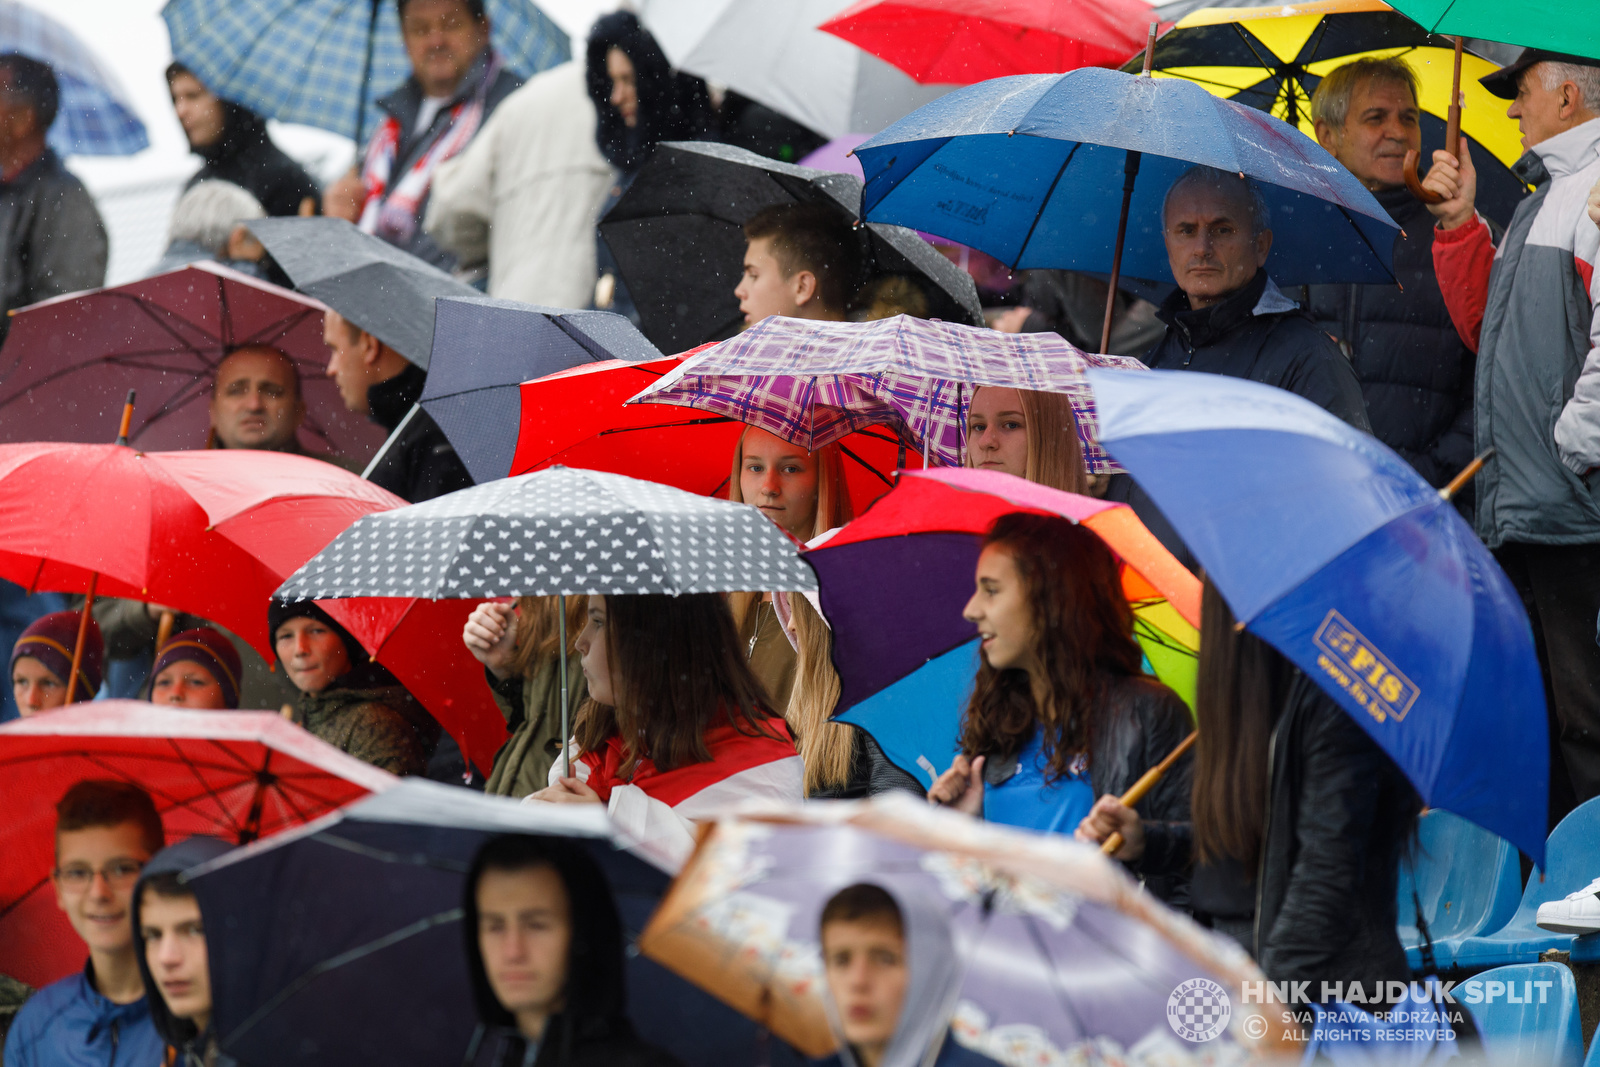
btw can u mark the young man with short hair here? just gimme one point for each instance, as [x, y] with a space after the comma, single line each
[800, 260]
[174, 963]
[545, 950]
[105, 833]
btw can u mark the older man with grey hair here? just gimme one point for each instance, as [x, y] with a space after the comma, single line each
[1414, 369]
[1227, 316]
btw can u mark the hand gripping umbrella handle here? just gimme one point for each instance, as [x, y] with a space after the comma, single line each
[1452, 138]
[1147, 782]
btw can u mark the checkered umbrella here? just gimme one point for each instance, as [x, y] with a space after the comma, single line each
[1027, 949]
[323, 62]
[813, 382]
[95, 117]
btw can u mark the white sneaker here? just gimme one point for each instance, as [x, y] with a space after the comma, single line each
[1576, 913]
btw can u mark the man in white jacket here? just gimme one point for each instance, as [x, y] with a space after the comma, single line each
[524, 197]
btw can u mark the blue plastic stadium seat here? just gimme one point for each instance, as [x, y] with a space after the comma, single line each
[1467, 879]
[1572, 857]
[1523, 1025]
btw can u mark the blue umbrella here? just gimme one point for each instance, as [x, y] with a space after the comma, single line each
[361, 912]
[484, 349]
[1330, 547]
[323, 62]
[1046, 170]
[95, 117]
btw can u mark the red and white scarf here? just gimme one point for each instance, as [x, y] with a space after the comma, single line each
[393, 214]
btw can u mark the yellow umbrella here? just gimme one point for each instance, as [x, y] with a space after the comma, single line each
[1273, 58]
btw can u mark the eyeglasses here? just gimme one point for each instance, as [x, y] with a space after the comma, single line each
[119, 874]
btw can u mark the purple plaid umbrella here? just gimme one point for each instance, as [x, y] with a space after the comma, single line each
[1051, 953]
[813, 382]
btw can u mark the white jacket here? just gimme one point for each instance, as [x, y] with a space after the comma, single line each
[526, 193]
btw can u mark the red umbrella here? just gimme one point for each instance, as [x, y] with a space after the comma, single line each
[579, 418]
[237, 775]
[69, 362]
[965, 41]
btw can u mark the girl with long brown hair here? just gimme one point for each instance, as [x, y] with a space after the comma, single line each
[804, 494]
[1299, 820]
[1030, 434]
[1061, 711]
[676, 726]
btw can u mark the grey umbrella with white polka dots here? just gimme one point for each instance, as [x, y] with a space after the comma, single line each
[555, 532]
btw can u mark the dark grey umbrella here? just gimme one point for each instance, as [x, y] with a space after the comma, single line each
[484, 349]
[678, 238]
[387, 292]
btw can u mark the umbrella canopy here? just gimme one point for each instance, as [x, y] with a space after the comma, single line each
[211, 533]
[69, 362]
[1547, 24]
[812, 382]
[484, 349]
[363, 909]
[383, 290]
[894, 583]
[578, 418]
[324, 62]
[678, 238]
[1273, 59]
[966, 41]
[1031, 170]
[95, 116]
[1330, 547]
[237, 775]
[555, 532]
[773, 53]
[1055, 955]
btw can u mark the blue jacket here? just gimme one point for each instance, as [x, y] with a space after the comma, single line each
[69, 1024]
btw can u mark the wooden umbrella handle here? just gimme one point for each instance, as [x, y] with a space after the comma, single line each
[1452, 138]
[1146, 783]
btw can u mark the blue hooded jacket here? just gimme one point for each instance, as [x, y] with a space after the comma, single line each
[69, 1024]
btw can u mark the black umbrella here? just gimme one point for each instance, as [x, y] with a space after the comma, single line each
[677, 235]
[341, 942]
[484, 349]
[387, 292]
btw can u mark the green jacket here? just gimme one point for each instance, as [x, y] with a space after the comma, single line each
[374, 725]
[532, 709]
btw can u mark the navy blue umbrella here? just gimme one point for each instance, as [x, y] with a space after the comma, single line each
[484, 349]
[1046, 170]
[341, 942]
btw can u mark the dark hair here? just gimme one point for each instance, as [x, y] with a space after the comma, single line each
[95, 803]
[677, 671]
[36, 83]
[474, 8]
[672, 106]
[860, 903]
[177, 70]
[1236, 704]
[166, 884]
[1084, 633]
[813, 237]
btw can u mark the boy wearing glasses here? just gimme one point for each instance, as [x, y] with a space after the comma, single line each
[105, 833]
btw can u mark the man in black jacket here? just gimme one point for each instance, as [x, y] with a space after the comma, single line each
[1416, 373]
[233, 142]
[1227, 316]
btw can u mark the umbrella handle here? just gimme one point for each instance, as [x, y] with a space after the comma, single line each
[1130, 171]
[1146, 783]
[1466, 475]
[1452, 138]
[566, 727]
[127, 419]
[163, 631]
[83, 632]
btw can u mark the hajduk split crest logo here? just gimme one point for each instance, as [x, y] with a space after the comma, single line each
[1199, 1010]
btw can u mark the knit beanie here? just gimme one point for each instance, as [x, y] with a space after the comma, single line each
[51, 639]
[209, 649]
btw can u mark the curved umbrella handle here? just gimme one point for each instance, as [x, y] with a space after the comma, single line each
[1452, 138]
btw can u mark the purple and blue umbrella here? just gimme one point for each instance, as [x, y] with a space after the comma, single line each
[1330, 547]
[1056, 955]
[95, 117]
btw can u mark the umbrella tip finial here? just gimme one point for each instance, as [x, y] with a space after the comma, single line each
[1150, 49]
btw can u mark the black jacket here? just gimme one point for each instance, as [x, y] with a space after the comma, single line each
[421, 463]
[1415, 372]
[51, 238]
[1340, 813]
[246, 156]
[1141, 721]
[1259, 334]
[871, 773]
[594, 1029]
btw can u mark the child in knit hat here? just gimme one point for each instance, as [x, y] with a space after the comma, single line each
[197, 668]
[41, 662]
